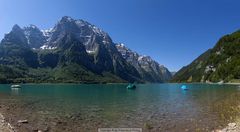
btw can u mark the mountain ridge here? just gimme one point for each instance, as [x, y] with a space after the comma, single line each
[148, 68]
[218, 64]
[31, 52]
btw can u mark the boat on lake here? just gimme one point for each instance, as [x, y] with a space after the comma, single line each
[15, 86]
[220, 83]
[184, 87]
[131, 86]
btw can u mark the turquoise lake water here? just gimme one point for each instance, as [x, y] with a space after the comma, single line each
[153, 107]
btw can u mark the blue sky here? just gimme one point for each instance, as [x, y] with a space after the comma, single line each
[173, 32]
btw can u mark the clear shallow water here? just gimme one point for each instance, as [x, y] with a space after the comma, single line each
[153, 107]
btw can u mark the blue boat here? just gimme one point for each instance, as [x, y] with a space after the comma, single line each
[184, 87]
[131, 86]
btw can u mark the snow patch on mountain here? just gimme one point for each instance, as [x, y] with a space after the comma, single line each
[47, 32]
[47, 47]
[90, 51]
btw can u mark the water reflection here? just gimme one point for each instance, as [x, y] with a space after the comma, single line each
[15, 91]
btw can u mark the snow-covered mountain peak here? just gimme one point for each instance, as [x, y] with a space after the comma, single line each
[122, 45]
[66, 19]
[80, 23]
[33, 26]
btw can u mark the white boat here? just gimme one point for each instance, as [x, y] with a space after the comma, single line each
[220, 83]
[16, 86]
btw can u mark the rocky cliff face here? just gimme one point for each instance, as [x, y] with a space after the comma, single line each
[149, 69]
[35, 37]
[74, 43]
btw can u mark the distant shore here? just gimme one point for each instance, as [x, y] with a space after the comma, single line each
[106, 83]
[233, 83]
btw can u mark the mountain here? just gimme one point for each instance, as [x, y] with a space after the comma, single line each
[149, 69]
[34, 36]
[71, 51]
[221, 63]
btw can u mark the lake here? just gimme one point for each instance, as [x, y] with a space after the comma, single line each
[153, 107]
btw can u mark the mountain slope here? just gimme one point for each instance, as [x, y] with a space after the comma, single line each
[71, 51]
[149, 69]
[221, 63]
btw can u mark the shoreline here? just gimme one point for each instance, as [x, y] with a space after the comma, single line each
[109, 83]
[232, 83]
[231, 127]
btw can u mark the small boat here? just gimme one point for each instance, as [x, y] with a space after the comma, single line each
[220, 83]
[184, 87]
[131, 86]
[15, 86]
